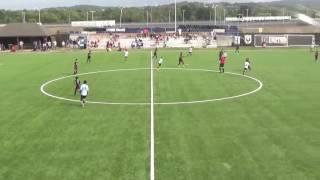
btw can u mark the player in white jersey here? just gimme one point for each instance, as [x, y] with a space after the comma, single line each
[84, 91]
[246, 66]
[126, 54]
[160, 62]
[190, 51]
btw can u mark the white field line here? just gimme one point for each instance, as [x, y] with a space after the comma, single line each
[217, 99]
[152, 148]
[91, 102]
[155, 103]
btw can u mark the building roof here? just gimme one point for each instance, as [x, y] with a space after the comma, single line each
[283, 29]
[23, 30]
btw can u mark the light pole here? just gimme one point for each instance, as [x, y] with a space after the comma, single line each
[239, 18]
[39, 13]
[175, 16]
[87, 15]
[23, 17]
[147, 18]
[121, 11]
[151, 14]
[183, 16]
[92, 15]
[215, 14]
[169, 17]
[69, 15]
[224, 16]
[283, 11]
[247, 16]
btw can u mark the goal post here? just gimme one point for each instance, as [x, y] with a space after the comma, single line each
[297, 40]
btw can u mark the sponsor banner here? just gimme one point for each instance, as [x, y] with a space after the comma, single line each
[116, 30]
[278, 40]
[258, 18]
[219, 30]
[237, 40]
[248, 39]
[94, 24]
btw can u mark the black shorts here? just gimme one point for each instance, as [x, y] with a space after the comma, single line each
[221, 65]
[83, 97]
[159, 64]
[316, 57]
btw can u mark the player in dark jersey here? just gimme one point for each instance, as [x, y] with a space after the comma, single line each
[155, 54]
[237, 48]
[181, 62]
[75, 67]
[77, 84]
[89, 57]
[221, 53]
[316, 54]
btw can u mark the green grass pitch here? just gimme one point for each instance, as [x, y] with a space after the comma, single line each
[272, 134]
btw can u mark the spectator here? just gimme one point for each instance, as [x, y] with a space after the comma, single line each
[49, 44]
[54, 44]
[21, 45]
[63, 44]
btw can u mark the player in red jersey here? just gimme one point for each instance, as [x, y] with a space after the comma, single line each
[223, 60]
[77, 85]
[75, 67]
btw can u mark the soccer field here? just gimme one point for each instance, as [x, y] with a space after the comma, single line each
[207, 125]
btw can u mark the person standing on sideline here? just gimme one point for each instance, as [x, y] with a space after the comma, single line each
[63, 44]
[84, 92]
[316, 54]
[21, 45]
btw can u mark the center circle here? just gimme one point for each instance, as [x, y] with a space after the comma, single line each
[258, 86]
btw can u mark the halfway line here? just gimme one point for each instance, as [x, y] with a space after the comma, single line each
[152, 165]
